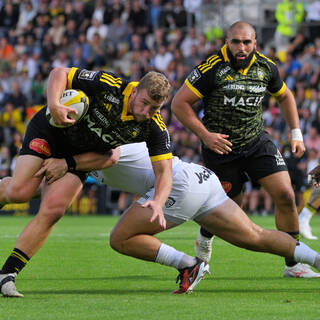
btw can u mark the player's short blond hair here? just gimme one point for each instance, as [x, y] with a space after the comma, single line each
[156, 84]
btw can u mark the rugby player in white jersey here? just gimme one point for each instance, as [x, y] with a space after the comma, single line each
[196, 194]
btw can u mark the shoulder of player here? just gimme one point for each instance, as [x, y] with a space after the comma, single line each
[158, 121]
[212, 63]
[261, 58]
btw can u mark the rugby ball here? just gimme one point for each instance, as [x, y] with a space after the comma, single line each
[72, 98]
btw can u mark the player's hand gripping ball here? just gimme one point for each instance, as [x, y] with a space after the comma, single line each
[72, 98]
[314, 176]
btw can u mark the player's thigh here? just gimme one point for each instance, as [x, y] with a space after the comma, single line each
[23, 179]
[136, 220]
[231, 176]
[59, 195]
[229, 222]
[278, 185]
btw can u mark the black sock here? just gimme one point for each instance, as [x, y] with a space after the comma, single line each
[289, 261]
[205, 233]
[15, 262]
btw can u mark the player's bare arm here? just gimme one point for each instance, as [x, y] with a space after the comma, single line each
[163, 183]
[57, 83]
[289, 111]
[182, 108]
[54, 169]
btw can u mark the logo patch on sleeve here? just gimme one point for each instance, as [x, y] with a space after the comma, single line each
[194, 76]
[87, 75]
[227, 186]
[40, 146]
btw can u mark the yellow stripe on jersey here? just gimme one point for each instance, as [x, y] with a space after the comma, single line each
[193, 89]
[77, 99]
[112, 81]
[208, 62]
[126, 92]
[70, 77]
[160, 157]
[263, 56]
[19, 256]
[281, 91]
[210, 66]
[158, 120]
[245, 71]
[224, 53]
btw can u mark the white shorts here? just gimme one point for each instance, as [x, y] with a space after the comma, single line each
[196, 192]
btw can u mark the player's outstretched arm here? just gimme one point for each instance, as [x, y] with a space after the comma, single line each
[54, 169]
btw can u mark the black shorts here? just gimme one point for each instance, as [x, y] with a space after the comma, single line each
[260, 158]
[45, 141]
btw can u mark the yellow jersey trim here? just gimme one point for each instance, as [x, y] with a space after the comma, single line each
[245, 71]
[160, 157]
[70, 77]
[281, 91]
[127, 92]
[224, 53]
[193, 89]
[263, 56]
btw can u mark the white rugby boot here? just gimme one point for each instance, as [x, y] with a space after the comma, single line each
[203, 247]
[8, 287]
[300, 270]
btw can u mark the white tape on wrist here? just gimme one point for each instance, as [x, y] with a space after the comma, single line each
[296, 134]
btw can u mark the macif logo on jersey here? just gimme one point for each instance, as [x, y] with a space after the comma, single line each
[194, 76]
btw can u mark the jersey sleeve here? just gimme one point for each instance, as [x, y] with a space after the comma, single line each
[92, 82]
[201, 79]
[158, 143]
[276, 85]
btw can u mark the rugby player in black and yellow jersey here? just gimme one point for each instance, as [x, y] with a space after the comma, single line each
[120, 112]
[232, 85]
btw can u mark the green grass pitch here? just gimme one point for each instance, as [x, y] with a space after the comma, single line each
[76, 275]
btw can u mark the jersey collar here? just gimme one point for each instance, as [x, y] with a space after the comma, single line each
[126, 92]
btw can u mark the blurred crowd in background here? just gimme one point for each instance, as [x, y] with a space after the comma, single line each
[133, 37]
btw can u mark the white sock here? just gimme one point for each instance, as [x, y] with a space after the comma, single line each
[169, 256]
[305, 215]
[305, 254]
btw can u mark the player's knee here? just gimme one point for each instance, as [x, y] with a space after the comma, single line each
[286, 198]
[115, 242]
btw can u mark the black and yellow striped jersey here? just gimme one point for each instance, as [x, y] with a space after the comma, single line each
[233, 98]
[107, 124]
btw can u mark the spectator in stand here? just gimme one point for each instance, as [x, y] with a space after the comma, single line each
[99, 9]
[26, 14]
[9, 15]
[311, 57]
[305, 121]
[7, 53]
[181, 18]
[27, 63]
[138, 17]
[118, 36]
[57, 30]
[48, 49]
[71, 30]
[114, 8]
[97, 52]
[25, 83]
[162, 59]
[97, 27]
[81, 16]
[61, 60]
[38, 90]
[154, 13]
[12, 119]
[18, 99]
[77, 59]
[313, 140]
[191, 39]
